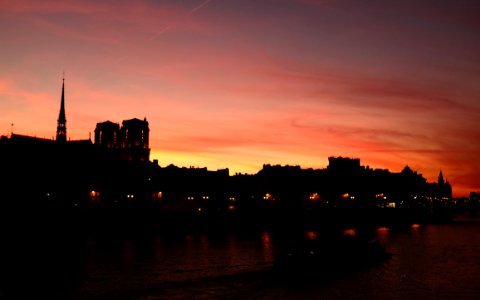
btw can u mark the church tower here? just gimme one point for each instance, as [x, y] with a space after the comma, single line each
[62, 121]
[441, 181]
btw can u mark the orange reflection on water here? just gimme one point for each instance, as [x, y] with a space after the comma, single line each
[382, 231]
[382, 234]
[267, 246]
[128, 254]
[204, 243]
[415, 226]
[311, 235]
[350, 232]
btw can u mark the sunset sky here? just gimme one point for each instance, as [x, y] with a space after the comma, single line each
[240, 83]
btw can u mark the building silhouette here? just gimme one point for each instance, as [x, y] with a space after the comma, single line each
[106, 135]
[135, 133]
[134, 139]
[131, 140]
[62, 120]
[443, 187]
[115, 171]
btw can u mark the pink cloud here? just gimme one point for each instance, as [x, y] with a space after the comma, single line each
[224, 86]
[315, 3]
[105, 21]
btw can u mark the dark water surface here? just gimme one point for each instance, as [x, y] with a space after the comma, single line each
[435, 261]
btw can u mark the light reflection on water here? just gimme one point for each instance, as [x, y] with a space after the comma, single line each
[159, 260]
[350, 232]
[311, 235]
[415, 226]
[267, 247]
[440, 261]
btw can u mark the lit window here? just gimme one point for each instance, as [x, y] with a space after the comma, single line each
[158, 195]
[268, 197]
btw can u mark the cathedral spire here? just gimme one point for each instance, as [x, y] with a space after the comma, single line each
[62, 121]
[441, 181]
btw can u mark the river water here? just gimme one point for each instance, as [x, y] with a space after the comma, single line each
[431, 261]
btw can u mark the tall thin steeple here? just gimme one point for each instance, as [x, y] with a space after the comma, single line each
[441, 181]
[62, 121]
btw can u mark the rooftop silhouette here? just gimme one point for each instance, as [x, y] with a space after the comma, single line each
[115, 171]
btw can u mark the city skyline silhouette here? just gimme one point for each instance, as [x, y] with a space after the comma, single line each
[231, 85]
[240, 149]
[114, 171]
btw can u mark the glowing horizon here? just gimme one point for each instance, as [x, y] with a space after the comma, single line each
[239, 84]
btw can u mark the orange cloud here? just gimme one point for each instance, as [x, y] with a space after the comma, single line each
[224, 84]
